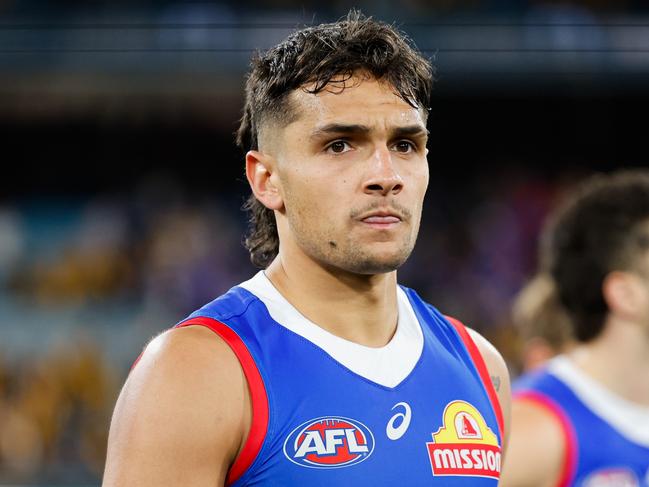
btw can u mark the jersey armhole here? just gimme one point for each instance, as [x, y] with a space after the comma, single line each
[481, 367]
[570, 439]
[258, 397]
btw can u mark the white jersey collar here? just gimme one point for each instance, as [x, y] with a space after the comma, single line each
[388, 365]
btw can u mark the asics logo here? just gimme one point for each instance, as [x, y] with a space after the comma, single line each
[399, 423]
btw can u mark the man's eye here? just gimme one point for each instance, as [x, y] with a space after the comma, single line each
[405, 146]
[338, 147]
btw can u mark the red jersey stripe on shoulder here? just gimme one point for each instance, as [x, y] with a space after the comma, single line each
[480, 365]
[258, 397]
[139, 357]
[570, 438]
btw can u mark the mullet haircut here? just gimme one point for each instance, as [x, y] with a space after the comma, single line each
[314, 56]
[600, 229]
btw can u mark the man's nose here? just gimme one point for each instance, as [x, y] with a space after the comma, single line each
[383, 177]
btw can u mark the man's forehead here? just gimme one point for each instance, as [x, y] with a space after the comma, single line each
[352, 100]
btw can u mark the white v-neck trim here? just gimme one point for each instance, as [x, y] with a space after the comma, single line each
[388, 365]
[628, 418]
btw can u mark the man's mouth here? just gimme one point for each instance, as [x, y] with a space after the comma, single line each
[381, 219]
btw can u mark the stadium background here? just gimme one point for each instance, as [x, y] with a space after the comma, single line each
[121, 187]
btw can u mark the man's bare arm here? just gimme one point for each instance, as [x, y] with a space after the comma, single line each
[182, 415]
[536, 448]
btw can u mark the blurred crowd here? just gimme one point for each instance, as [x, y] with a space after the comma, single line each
[54, 410]
[87, 283]
[84, 284]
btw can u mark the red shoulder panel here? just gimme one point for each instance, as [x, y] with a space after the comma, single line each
[480, 365]
[259, 399]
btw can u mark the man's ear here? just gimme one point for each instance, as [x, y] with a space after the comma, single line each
[263, 180]
[623, 292]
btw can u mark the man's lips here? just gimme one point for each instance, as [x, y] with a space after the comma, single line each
[381, 219]
[385, 212]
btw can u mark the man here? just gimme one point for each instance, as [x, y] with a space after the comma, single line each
[584, 420]
[320, 370]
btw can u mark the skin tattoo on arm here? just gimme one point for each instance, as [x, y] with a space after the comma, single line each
[495, 380]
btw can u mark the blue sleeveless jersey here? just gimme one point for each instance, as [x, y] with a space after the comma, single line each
[598, 453]
[317, 423]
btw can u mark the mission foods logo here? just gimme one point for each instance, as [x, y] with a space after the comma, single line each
[329, 442]
[464, 445]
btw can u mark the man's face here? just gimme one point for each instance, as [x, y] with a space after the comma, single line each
[353, 173]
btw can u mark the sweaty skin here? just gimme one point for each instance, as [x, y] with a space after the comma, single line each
[346, 179]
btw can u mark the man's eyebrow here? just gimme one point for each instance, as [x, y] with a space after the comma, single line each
[340, 128]
[410, 131]
[357, 129]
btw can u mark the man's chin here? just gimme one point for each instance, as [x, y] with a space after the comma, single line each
[377, 265]
[366, 259]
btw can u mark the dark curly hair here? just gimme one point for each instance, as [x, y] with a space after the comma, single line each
[600, 229]
[314, 56]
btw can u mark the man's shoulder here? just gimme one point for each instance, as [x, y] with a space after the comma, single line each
[185, 378]
[484, 346]
[198, 349]
[489, 352]
[537, 447]
[185, 355]
[232, 303]
[177, 342]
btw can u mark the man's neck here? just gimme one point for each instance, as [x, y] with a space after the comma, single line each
[358, 308]
[618, 359]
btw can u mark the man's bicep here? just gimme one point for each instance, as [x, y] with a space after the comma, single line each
[536, 448]
[179, 417]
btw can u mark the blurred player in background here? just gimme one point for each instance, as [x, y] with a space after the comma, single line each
[541, 322]
[321, 370]
[584, 419]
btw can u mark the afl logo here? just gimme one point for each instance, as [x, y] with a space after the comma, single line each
[329, 442]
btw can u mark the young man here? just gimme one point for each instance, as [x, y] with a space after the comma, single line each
[321, 370]
[584, 419]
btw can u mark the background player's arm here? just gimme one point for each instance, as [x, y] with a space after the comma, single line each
[182, 415]
[536, 448]
[499, 377]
